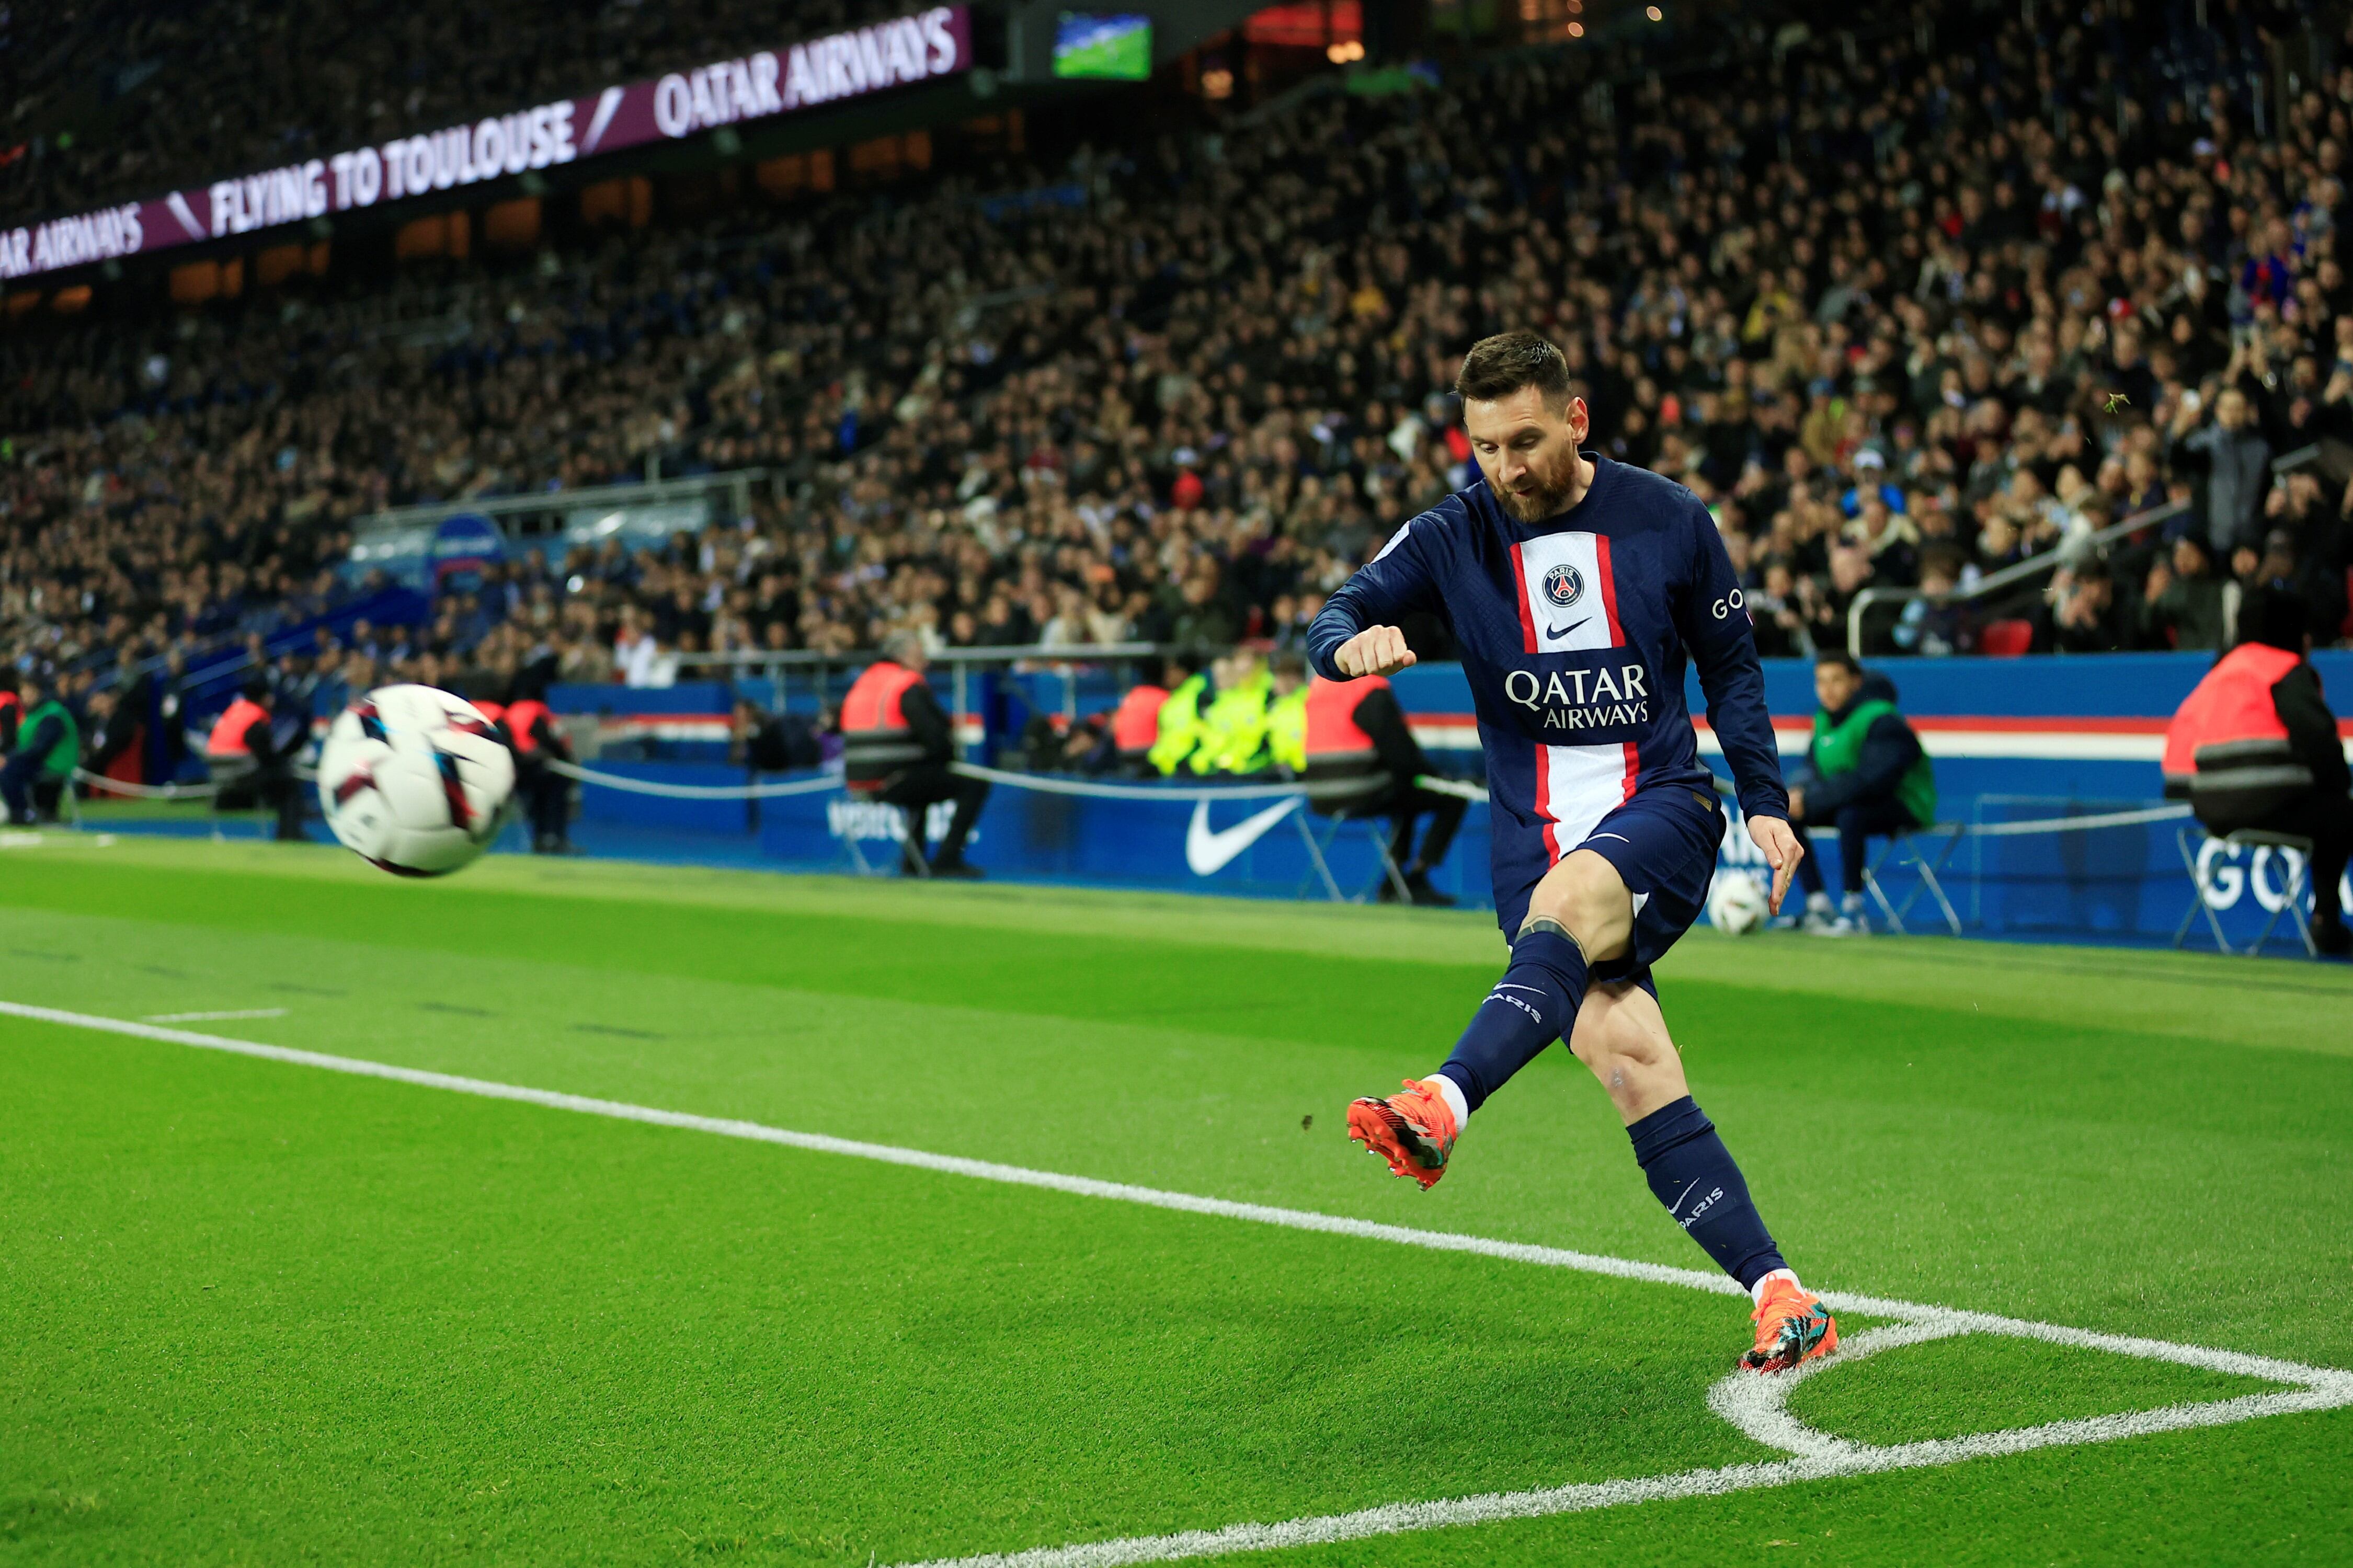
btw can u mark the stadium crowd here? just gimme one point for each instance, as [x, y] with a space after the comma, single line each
[1903, 319]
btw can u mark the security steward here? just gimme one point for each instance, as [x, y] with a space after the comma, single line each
[48, 748]
[1135, 723]
[1864, 776]
[1177, 727]
[1286, 716]
[1233, 727]
[2255, 746]
[249, 764]
[896, 744]
[1362, 760]
[537, 740]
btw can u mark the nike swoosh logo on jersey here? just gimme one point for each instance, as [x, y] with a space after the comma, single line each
[1208, 853]
[1563, 631]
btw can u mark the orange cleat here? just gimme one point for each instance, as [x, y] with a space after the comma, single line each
[1414, 1131]
[1792, 1325]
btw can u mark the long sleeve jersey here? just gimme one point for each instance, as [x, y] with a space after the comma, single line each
[1573, 633]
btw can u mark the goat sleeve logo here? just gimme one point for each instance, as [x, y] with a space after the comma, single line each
[1563, 585]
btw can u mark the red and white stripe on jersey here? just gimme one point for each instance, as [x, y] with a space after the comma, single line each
[1577, 786]
[1572, 566]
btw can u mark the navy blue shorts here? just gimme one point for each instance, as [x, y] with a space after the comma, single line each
[1664, 843]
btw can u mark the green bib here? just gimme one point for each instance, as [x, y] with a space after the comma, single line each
[1839, 750]
[66, 755]
[1180, 725]
[1233, 731]
[1286, 729]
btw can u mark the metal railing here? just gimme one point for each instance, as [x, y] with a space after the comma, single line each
[735, 482]
[1063, 659]
[2008, 576]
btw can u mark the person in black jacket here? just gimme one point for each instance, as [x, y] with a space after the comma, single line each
[2321, 810]
[273, 742]
[897, 746]
[1865, 775]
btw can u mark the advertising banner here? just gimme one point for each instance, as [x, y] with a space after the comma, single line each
[755, 86]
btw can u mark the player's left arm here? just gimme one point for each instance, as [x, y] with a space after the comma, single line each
[1716, 627]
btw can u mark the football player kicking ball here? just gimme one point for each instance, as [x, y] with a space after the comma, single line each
[1575, 588]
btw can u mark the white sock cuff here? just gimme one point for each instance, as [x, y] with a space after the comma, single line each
[1756, 1291]
[1452, 1092]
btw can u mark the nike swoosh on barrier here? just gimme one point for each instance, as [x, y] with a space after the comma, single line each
[1564, 631]
[1208, 853]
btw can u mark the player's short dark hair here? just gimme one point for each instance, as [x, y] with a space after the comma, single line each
[1840, 657]
[1501, 365]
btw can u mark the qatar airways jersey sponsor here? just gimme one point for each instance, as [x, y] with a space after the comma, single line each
[1574, 635]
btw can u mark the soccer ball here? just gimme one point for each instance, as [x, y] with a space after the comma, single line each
[414, 781]
[1735, 904]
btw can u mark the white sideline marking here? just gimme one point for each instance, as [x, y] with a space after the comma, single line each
[208, 1017]
[1756, 1406]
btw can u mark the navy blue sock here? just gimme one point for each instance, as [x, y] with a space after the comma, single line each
[1533, 1006]
[1693, 1173]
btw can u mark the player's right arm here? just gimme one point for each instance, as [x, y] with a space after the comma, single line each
[1357, 633]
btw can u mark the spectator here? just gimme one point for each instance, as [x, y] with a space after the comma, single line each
[2084, 614]
[2238, 466]
[775, 742]
[2183, 603]
[1933, 625]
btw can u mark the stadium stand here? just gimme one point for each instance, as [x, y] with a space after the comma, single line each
[1900, 315]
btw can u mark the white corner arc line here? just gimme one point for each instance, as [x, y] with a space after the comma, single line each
[1754, 1405]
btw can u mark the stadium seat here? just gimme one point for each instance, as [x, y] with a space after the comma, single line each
[2186, 838]
[2006, 640]
[1927, 868]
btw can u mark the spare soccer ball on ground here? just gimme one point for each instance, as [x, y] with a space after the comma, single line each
[414, 780]
[1736, 903]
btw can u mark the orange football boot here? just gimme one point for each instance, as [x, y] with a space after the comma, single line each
[1792, 1325]
[1414, 1131]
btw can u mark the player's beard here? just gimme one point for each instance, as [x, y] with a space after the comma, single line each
[1547, 495]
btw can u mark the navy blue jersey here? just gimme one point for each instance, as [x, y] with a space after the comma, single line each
[1574, 633]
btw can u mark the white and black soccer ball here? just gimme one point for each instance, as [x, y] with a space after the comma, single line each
[1736, 903]
[414, 780]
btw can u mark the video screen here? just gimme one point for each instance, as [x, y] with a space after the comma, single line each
[1116, 49]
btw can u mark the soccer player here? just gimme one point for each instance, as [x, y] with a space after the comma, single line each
[1575, 588]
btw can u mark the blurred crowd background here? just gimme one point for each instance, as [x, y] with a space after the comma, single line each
[1905, 312]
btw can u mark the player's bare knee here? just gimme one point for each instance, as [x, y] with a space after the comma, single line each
[1585, 897]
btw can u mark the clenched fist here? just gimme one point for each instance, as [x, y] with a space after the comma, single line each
[1377, 650]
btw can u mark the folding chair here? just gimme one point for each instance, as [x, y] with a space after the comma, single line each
[229, 776]
[1337, 820]
[2291, 903]
[1927, 866]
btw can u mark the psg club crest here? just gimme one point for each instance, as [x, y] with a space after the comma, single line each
[1563, 585]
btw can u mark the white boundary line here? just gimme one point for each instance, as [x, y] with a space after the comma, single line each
[1756, 1406]
[213, 1017]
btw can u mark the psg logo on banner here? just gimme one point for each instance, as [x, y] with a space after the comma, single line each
[1563, 585]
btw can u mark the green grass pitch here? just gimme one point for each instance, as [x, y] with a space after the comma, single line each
[255, 1312]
